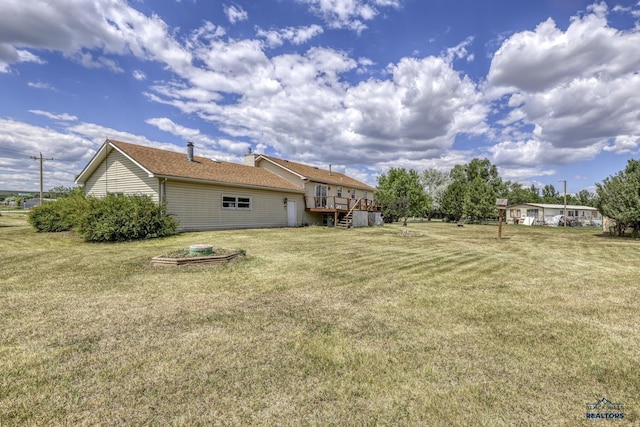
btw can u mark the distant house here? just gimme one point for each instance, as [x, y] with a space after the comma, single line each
[549, 214]
[207, 194]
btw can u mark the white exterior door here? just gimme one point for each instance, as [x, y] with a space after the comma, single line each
[292, 213]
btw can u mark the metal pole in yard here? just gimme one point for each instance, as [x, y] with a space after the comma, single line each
[564, 223]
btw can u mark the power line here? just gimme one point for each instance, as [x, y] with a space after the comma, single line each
[41, 159]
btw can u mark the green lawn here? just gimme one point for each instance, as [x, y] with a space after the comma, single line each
[443, 326]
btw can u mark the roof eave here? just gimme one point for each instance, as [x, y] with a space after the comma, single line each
[227, 184]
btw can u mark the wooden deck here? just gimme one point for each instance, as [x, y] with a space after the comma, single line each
[332, 204]
[342, 208]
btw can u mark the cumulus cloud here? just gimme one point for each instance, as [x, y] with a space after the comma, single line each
[111, 27]
[570, 94]
[19, 141]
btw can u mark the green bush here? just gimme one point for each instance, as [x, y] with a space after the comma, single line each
[59, 215]
[117, 218]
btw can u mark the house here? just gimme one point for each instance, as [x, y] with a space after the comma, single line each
[549, 214]
[207, 194]
[331, 198]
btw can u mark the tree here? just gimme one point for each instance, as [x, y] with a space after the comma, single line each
[435, 184]
[401, 194]
[586, 198]
[480, 200]
[551, 195]
[453, 200]
[473, 189]
[515, 193]
[619, 197]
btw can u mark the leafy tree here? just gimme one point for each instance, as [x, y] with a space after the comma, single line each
[480, 200]
[551, 195]
[619, 197]
[401, 194]
[435, 184]
[453, 200]
[586, 198]
[476, 186]
[515, 193]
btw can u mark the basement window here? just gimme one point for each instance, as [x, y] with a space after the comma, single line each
[236, 203]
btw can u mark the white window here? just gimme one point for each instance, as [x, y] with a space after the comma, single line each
[236, 203]
[364, 194]
[339, 191]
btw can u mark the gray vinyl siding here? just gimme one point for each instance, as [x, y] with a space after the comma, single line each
[118, 174]
[199, 207]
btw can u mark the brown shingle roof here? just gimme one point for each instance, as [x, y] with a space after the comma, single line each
[171, 164]
[320, 175]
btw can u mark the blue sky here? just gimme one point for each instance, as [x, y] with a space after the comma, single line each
[547, 90]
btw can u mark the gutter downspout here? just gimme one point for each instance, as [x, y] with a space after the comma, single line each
[163, 191]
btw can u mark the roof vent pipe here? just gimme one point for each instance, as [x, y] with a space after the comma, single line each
[329, 168]
[190, 151]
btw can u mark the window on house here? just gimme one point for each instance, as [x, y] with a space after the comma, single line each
[339, 191]
[532, 213]
[353, 193]
[364, 194]
[236, 203]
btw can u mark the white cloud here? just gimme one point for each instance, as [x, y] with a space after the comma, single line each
[139, 75]
[235, 14]
[64, 116]
[349, 14]
[570, 94]
[40, 85]
[547, 57]
[296, 36]
[624, 144]
[111, 27]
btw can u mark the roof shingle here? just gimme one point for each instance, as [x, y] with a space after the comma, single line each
[172, 164]
[319, 175]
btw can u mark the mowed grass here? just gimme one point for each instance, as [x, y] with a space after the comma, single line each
[443, 326]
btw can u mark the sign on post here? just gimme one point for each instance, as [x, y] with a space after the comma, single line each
[502, 205]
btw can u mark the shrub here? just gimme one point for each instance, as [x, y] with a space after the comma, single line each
[119, 218]
[46, 218]
[59, 215]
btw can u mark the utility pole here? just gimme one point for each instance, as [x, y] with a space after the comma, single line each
[41, 159]
[564, 223]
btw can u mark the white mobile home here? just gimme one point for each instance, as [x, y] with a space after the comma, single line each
[550, 214]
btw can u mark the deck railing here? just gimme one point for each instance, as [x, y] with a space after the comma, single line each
[340, 203]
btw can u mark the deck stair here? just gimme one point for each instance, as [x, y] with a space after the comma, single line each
[347, 220]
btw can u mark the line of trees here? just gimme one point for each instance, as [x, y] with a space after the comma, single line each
[467, 191]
